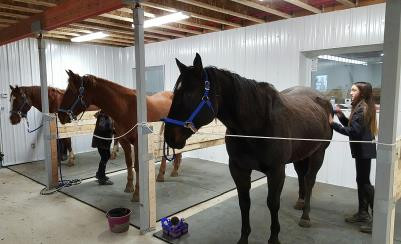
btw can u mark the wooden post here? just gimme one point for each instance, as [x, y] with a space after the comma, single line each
[53, 143]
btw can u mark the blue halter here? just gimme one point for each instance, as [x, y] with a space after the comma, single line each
[205, 101]
[70, 111]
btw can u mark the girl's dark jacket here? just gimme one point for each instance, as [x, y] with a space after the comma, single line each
[103, 128]
[357, 130]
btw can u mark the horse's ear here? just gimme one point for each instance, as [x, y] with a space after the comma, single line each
[180, 65]
[198, 62]
[12, 88]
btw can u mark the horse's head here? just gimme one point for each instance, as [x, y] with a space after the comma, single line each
[193, 104]
[20, 104]
[76, 98]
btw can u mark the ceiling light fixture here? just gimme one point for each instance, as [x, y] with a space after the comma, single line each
[343, 60]
[174, 17]
[89, 37]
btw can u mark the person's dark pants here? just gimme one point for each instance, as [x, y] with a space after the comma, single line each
[365, 188]
[104, 158]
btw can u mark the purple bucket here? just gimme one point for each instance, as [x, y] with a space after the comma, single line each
[118, 219]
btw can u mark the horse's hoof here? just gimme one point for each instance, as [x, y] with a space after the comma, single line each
[160, 178]
[135, 198]
[129, 189]
[70, 164]
[299, 205]
[305, 223]
[174, 174]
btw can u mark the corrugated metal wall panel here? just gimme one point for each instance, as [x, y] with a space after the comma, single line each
[19, 65]
[271, 52]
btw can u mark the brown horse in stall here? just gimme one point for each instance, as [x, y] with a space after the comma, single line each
[120, 104]
[25, 97]
[251, 108]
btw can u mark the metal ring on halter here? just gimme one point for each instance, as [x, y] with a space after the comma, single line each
[190, 126]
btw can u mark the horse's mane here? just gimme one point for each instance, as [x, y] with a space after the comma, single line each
[95, 79]
[251, 96]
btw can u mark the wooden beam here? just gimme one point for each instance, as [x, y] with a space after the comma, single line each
[4, 25]
[222, 10]
[304, 6]
[263, 8]
[37, 2]
[347, 3]
[12, 15]
[69, 33]
[206, 27]
[21, 9]
[192, 14]
[169, 27]
[64, 37]
[129, 11]
[8, 21]
[129, 27]
[66, 12]
[130, 33]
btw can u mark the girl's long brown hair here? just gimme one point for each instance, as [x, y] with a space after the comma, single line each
[365, 99]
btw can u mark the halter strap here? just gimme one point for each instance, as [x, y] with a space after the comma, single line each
[79, 100]
[205, 101]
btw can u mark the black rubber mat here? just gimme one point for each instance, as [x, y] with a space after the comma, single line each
[221, 223]
[199, 181]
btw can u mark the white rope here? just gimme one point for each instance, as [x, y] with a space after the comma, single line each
[254, 137]
[118, 137]
[297, 139]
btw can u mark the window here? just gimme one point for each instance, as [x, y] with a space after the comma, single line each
[335, 74]
[154, 78]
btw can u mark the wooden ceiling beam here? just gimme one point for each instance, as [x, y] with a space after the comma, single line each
[169, 27]
[202, 26]
[73, 34]
[58, 36]
[129, 27]
[21, 9]
[68, 11]
[127, 33]
[263, 8]
[192, 14]
[222, 10]
[8, 21]
[347, 3]
[37, 2]
[12, 15]
[304, 6]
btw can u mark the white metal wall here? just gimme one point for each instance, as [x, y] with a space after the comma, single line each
[271, 52]
[19, 66]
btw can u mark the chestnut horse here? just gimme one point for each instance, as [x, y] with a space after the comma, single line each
[251, 108]
[120, 104]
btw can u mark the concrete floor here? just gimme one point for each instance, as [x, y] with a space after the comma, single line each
[28, 217]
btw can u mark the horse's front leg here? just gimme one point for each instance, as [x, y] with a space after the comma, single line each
[242, 179]
[135, 196]
[177, 163]
[275, 184]
[162, 170]
[128, 161]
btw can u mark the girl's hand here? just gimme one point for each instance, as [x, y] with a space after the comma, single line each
[331, 119]
[338, 111]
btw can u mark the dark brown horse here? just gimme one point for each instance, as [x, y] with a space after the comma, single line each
[120, 104]
[251, 108]
[23, 98]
